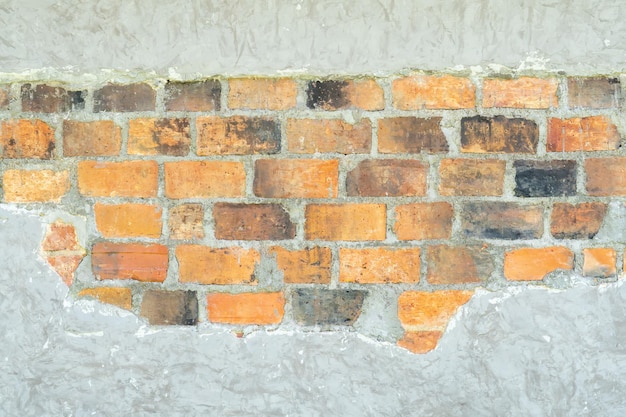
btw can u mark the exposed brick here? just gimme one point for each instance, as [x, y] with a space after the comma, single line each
[363, 94]
[121, 297]
[523, 92]
[170, 307]
[422, 221]
[128, 220]
[217, 266]
[47, 99]
[296, 178]
[60, 236]
[306, 266]
[124, 98]
[129, 261]
[533, 264]
[594, 93]
[328, 136]
[21, 186]
[576, 221]
[352, 222]
[322, 307]
[186, 222]
[420, 342]
[599, 262]
[192, 96]
[501, 220]
[433, 92]
[26, 139]
[594, 133]
[498, 134]
[204, 179]
[65, 266]
[429, 311]
[545, 178]
[379, 265]
[246, 308]
[237, 135]
[411, 135]
[159, 137]
[387, 178]
[471, 177]
[5, 94]
[262, 93]
[458, 264]
[252, 222]
[97, 138]
[118, 179]
[606, 176]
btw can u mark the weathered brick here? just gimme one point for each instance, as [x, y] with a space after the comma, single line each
[170, 307]
[429, 311]
[97, 138]
[323, 307]
[128, 220]
[363, 94]
[576, 221]
[216, 266]
[296, 178]
[379, 265]
[411, 135]
[60, 236]
[22, 186]
[234, 221]
[594, 133]
[5, 94]
[471, 177]
[498, 134]
[118, 179]
[306, 266]
[121, 297]
[204, 179]
[124, 98]
[246, 308]
[352, 222]
[158, 137]
[186, 222]
[420, 342]
[328, 136]
[237, 135]
[523, 92]
[533, 264]
[192, 96]
[606, 176]
[47, 99]
[594, 92]
[387, 178]
[129, 261]
[599, 262]
[501, 220]
[433, 92]
[458, 264]
[26, 139]
[262, 93]
[423, 221]
[545, 178]
[65, 266]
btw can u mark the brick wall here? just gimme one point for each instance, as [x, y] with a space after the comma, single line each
[261, 201]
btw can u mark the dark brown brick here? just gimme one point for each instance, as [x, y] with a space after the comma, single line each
[501, 220]
[458, 264]
[322, 307]
[545, 178]
[411, 135]
[97, 138]
[364, 94]
[237, 135]
[170, 307]
[594, 92]
[387, 177]
[576, 221]
[252, 222]
[498, 134]
[124, 98]
[5, 94]
[193, 96]
[47, 99]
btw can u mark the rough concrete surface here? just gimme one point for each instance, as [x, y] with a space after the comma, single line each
[514, 352]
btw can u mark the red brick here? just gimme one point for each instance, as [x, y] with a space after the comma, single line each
[118, 179]
[186, 222]
[533, 264]
[576, 221]
[159, 137]
[204, 179]
[47, 99]
[523, 92]
[433, 92]
[129, 261]
[262, 93]
[379, 265]
[363, 94]
[128, 220]
[471, 177]
[237, 135]
[599, 262]
[246, 308]
[594, 133]
[606, 176]
[306, 266]
[420, 342]
[429, 311]
[328, 136]
[217, 266]
[121, 297]
[501, 220]
[387, 178]
[594, 92]
[296, 178]
[192, 96]
[458, 264]
[170, 307]
[422, 221]
[65, 266]
[97, 138]
[21, 186]
[252, 222]
[411, 135]
[498, 134]
[26, 139]
[124, 98]
[351, 222]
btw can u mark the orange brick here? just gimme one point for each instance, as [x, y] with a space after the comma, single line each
[60, 236]
[606, 176]
[387, 178]
[26, 139]
[246, 308]
[118, 179]
[328, 136]
[351, 222]
[523, 92]
[379, 265]
[533, 264]
[262, 93]
[97, 138]
[204, 179]
[21, 186]
[429, 311]
[186, 221]
[594, 133]
[158, 137]
[364, 94]
[599, 262]
[306, 266]
[420, 342]
[128, 220]
[422, 221]
[218, 266]
[129, 261]
[237, 135]
[296, 178]
[471, 177]
[121, 297]
[433, 92]
[458, 264]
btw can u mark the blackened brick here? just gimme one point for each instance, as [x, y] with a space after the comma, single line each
[501, 220]
[318, 307]
[594, 92]
[498, 134]
[124, 98]
[193, 96]
[327, 95]
[545, 178]
[47, 99]
[170, 307]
